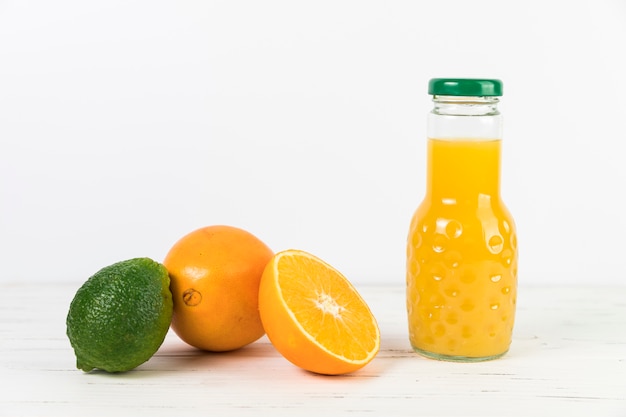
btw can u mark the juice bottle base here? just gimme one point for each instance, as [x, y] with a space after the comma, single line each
[454, 358]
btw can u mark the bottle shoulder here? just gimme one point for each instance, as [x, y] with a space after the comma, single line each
[464, 226]
[481, 207]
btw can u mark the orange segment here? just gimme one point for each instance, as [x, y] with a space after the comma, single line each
[314, 316]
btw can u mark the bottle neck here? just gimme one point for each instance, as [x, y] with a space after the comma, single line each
[463, 169]
[464, 148]
[454, 117]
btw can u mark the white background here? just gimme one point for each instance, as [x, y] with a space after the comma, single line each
[126, 124]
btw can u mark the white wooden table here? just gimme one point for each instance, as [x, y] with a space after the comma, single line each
[568, 358]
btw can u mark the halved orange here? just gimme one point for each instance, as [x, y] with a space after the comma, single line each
[314, 316]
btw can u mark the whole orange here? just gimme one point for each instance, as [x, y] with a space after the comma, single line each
[215, 273]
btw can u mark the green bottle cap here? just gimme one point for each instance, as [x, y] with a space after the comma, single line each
[465, 87]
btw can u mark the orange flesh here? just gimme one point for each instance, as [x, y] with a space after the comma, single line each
[327, 308]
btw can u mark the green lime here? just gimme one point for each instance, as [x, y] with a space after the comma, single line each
[119, 317]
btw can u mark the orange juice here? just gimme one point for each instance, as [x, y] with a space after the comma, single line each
[462, 255]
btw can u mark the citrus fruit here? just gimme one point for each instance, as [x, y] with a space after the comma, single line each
[215, 273]
[314, 316]
[119, 317]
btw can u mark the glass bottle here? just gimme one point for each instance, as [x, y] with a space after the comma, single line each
[462, 245]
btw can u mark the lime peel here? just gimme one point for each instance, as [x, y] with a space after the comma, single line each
[120, 316]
